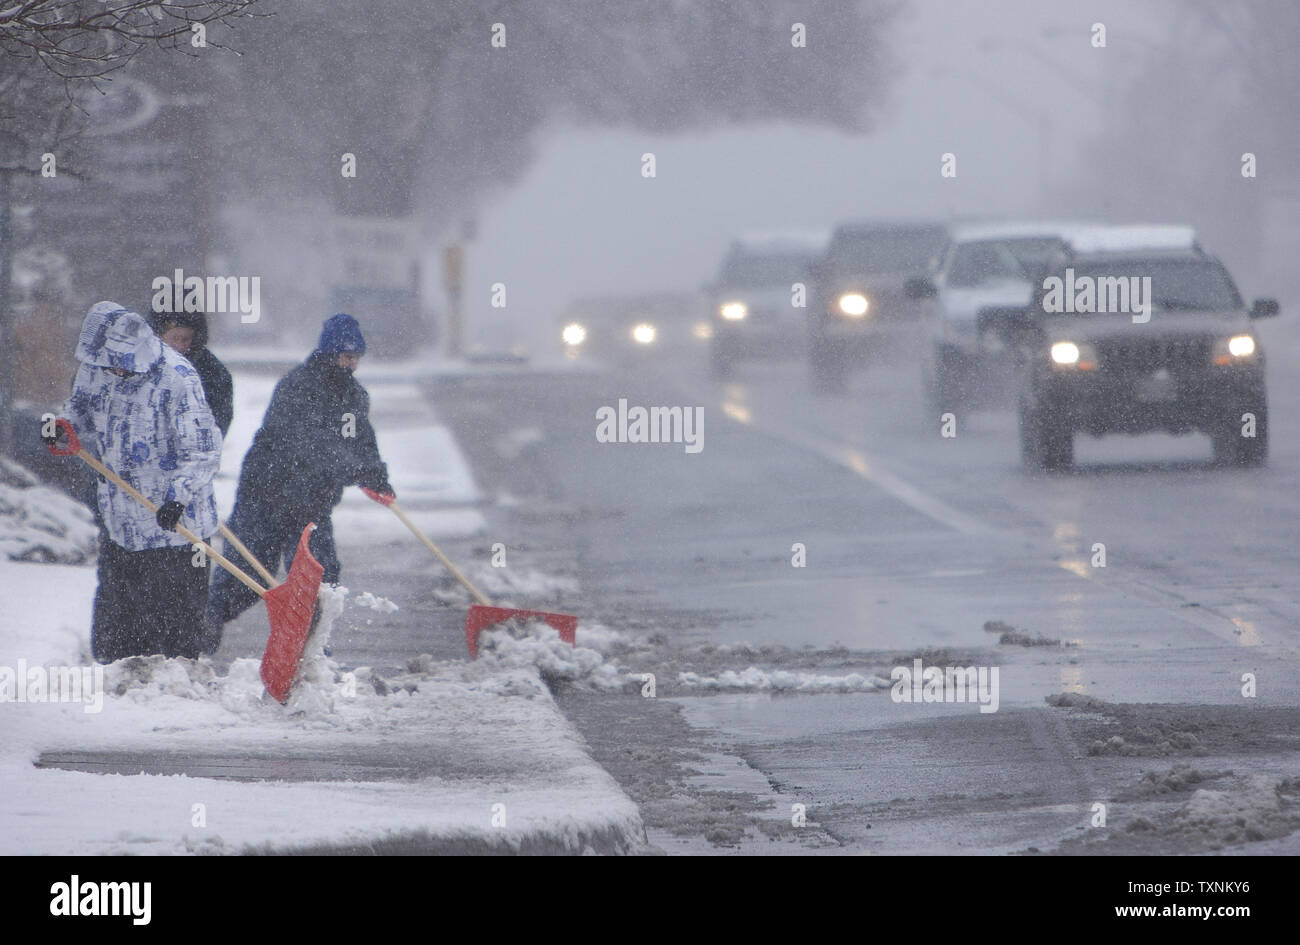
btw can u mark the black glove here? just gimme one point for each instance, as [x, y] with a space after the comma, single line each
[169, 514]
[375, 480]
[56, 439]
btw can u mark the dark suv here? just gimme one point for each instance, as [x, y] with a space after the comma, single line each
[1137, 342]
[861, 293]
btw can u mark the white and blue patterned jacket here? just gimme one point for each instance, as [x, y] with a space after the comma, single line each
[152, 427]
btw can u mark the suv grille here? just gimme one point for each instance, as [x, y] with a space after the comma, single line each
[1148, 355]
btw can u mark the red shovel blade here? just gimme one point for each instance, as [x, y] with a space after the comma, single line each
[481, 617]
[290, 607]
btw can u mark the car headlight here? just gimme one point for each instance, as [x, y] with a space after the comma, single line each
[1067, 355]
[1234, 349]
[644, 334]
[853, 304]
[573, 334]
[733, 311]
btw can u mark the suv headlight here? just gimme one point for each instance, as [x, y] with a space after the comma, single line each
[1069, 355]
[1234, 350]
[853, 304]
[573, 334]
[644, 334]
[733, 311]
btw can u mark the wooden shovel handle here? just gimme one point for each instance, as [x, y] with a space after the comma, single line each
[185, 532]
[478, 595]
[238, 545]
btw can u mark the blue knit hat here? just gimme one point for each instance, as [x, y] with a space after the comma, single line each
[341, 335]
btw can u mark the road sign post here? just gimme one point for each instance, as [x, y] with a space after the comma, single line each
[453, 264]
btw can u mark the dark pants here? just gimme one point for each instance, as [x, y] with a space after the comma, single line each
[147, 602]
[270, 541]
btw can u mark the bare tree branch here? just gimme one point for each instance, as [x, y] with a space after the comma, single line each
[83, 39]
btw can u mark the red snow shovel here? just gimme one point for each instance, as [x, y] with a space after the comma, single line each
[484, 613]
[289, 606]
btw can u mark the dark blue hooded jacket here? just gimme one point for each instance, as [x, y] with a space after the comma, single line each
[315, 439]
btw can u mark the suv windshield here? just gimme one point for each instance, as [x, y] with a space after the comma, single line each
[879, 251]
[1177, 285]
[992, 261]
[763, 272]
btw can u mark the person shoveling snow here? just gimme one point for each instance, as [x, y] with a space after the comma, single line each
[142, 410]
[315, 439]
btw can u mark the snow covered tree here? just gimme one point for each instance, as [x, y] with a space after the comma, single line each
[445, 97]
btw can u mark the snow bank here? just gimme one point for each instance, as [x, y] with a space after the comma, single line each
[448, 756]
[42, 525]
[757, 680]
[536, 643]
[1251, 804]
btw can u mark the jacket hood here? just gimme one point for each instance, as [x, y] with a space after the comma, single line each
[196, 320]
[113, 337]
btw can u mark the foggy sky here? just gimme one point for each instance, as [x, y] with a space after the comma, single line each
[583, 221]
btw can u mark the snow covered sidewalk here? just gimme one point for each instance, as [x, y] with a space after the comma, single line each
[160, 756]
[454, 757]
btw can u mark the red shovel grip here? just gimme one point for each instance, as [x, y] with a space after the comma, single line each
[383, 498]
[67, 429]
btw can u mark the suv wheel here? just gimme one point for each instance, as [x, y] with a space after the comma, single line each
[1045, 442]
[1057, 444]
[1233, 449]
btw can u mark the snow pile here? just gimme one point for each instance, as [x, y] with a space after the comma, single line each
[754, 679]
[149, 680]
[379, 604]
[319, 682]
[425, 755]
[1252, 806]
[536, 643]
[318, 675]
[41, 525]
[1178, 779]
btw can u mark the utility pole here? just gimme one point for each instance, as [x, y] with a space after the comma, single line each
[7, 361]
[453, 262]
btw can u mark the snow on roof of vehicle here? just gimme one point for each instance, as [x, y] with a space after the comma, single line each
[1129, 237]
[782, 242]
[1019, 229]
[861, 227]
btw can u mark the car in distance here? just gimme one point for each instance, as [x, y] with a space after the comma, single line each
[985, 265]
[1181, 356]
[860, 296]
[755, 310]
[628, 329]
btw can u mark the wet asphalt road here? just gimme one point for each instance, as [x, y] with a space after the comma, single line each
[912, 542]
